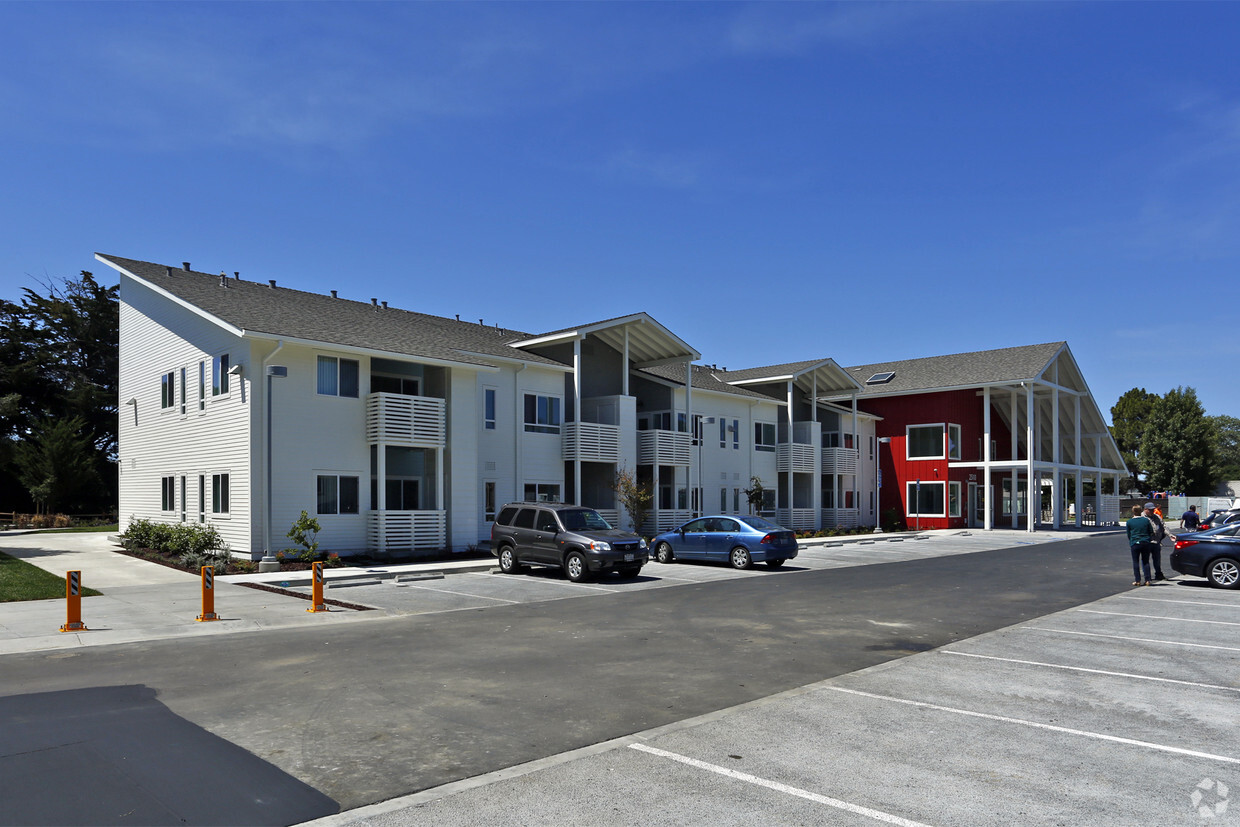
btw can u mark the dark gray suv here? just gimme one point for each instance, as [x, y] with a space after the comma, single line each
[570, 537]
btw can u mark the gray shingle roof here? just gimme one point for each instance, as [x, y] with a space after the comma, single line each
[959, 370]
[770, 371]
[261, 309]
[703, 379]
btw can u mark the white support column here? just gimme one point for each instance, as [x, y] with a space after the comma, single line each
[986, 458]
[1057, 459]
[815, 494]
[694, 456]
[1033, 494]
[1014, 418]
[624, 379]
[577, 420]
[381, 473]
[791, 416]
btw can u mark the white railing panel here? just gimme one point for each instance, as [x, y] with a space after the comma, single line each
[406, 530]
[839, 461]
[795, 457]
[841, 517]
[591, 442]
[797, 519]
[665, 520]
[411, 421]
[664, 448]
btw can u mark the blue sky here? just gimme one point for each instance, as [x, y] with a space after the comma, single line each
[772, 182]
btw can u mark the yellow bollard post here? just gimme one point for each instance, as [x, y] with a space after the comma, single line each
[316, 598]
[208, 595]
[73, 597]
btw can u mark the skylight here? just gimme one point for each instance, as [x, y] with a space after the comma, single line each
[880, 378]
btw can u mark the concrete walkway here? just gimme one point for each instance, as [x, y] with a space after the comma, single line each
[142, 600]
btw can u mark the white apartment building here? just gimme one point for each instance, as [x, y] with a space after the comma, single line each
[244, 403]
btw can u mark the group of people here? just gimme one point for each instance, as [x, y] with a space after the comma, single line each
[1146, 533]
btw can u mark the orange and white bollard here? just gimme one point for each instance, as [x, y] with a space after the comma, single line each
[208, 594]
[73, 597]
[316, 598]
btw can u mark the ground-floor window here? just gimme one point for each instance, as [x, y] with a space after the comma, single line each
[542, 492]
[168, 494]
[488, 501]
[1022, 497]
[926, 499]
[219, 494]
[338, 494]
[953, 499]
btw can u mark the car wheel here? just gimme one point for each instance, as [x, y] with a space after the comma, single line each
[508, 560]
[1224, 573]
[740, 558]
[774, 564]
[628, 572]
[575, 568]
[664, 553]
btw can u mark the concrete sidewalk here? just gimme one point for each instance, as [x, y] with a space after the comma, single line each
[142, 600]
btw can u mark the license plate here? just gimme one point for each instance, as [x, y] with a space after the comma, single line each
[628, 558]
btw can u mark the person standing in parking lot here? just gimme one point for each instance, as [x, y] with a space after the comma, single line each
[1190, 521]
[1158, 533]
[1140, 532]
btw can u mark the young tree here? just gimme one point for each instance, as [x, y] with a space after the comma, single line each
[756, 495]
[1128, 418]
[636, 498]
[1177, 449]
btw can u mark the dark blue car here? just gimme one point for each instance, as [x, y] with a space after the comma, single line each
[1213, 554]
[733, 538]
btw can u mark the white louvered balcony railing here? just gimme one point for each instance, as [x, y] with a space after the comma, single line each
[840, 517]
[406, 530]
[611, 515]
[664, 448]
[839, 461]
[797, 457]
[797, 519]
[410, 421]
[665, 520]
[591, 442]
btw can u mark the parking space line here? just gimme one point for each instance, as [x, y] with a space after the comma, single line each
[1039, 725]
[1179, 602]
[460, 594]
[782, 788]
[1092, 671]
[1161, 617]
[1134, 639]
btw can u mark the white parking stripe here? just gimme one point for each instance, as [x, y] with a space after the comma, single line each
[460, 594]
[1135, 639]
[783, 788]
[1161, 617]
[1038, 725]
[1180, 602]
[1092, 671]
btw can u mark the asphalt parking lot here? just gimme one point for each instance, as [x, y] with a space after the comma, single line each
[1117, 712]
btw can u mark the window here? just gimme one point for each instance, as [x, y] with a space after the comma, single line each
[167, 390]
[219, 375]
[928, 502]
[764, 436]
[202, 498]
[488, 501]
[183, 384]
[925, 442]
[736, 500]
[723, 432]
[338, 377]
[202, 386]
[542, 492]
[219, 493]
[488, 409]
[723, 500]
[386, 383]
[402, 495]
[1022, 497]
[184, 496]
[542, 414]
[168, 494]
[736, 434]
[953, 442]
[338, 494]
[953, 499]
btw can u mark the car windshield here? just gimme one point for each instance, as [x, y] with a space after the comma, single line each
[760, 524]
[584, 519]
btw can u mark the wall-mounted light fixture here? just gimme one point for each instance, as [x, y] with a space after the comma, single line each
[235, 370]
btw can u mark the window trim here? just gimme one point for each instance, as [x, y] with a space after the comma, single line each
[224, 477]
[168, 494]
[908, 440]
[759, 430]
[490, 400]
[337, 493]
[953, 446]
[221, 386]
[338, 375]
[168, 390]
[954, 485]
[537, 426]
[911, 493]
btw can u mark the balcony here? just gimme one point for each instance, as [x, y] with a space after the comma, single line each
[409, 421]
[406, 530]
[797, 519]
[591, 442]
[840, 518]
[666, 519]
[796, 457]
[664, 448]
[839, 461]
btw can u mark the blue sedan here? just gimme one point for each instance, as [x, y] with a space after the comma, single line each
[741, 541]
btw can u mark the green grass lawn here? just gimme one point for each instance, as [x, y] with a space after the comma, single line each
[21, 581]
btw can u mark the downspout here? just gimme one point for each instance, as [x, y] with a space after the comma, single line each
[268, 558]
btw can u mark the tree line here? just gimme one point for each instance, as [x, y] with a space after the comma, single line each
[58, 397]
[1169, 444]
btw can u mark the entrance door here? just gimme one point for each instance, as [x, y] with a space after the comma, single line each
[977, 506]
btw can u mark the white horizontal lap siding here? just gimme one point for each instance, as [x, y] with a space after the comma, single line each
[542, 455]
[315, 434]
[157, 337]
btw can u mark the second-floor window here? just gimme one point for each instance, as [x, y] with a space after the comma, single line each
[488, 409]
[542, 414]
[168, 390]
[219, 375]
[338, 377]
[925, 442]
[764, 436]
